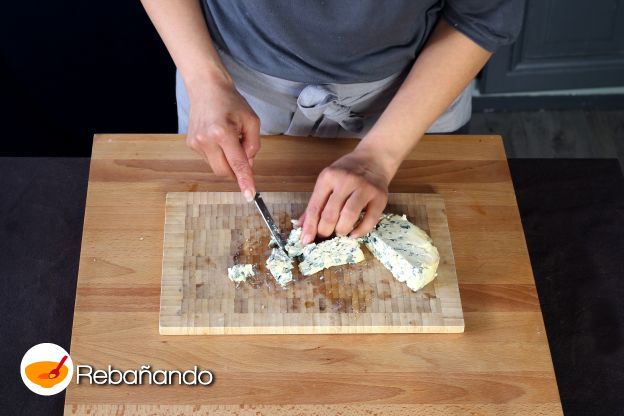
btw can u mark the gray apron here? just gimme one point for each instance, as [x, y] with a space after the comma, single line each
[320, 110]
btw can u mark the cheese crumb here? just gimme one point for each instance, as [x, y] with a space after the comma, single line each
[240, 272]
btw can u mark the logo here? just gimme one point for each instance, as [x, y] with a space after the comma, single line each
[47, 369]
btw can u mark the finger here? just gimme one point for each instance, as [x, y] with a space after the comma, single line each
[237, 159]
[301, 219]
[374, 209]
[218, 163]
[212, 155]
[351, 212]
[331, 213]
[251, 137]
[319, 197]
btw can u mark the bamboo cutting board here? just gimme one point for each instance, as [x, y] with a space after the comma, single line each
[207, 232]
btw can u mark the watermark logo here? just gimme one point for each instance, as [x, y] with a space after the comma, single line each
[47, 369]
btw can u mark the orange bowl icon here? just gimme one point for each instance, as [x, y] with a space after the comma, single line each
[41, 373]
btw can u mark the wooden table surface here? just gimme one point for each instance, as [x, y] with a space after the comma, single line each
[500, 365]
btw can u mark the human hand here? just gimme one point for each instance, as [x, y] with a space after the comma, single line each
[355, 182]
[225, 131]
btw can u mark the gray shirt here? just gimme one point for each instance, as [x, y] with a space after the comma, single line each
[348, 41]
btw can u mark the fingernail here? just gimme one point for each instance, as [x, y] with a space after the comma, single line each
[248, 194]
[306, 239]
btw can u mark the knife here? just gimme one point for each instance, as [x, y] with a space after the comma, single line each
[266, 216]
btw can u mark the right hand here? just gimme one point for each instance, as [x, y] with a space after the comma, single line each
[225, 131]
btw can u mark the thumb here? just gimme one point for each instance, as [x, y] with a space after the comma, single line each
[237, 159]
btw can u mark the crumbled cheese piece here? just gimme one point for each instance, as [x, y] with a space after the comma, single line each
[335, 252]
[240, 272]
[405, 250]
[280, 266]
[294, 247]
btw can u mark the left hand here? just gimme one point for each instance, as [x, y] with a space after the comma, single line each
[355, 182]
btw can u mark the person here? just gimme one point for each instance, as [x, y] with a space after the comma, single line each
[384, 71]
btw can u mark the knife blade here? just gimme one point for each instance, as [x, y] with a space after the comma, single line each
[268, 220]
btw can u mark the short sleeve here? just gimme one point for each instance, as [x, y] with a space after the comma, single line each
[489, 23]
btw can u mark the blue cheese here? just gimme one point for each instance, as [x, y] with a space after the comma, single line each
[240, 272]
[294, 247]
[405, 250]
[335, 252]
[280, 266]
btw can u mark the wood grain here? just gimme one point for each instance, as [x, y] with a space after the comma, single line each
[500, 365]
[207, 232]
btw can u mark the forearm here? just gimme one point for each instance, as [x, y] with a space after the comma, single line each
[182, 27]
[222, 128]
[447, 63]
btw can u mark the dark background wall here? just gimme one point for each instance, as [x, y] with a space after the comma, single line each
[71, 68]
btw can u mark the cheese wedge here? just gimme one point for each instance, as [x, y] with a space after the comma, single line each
[405, 250]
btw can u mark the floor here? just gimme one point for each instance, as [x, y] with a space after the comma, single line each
[41, 216]
[572, 213]
[562, 134]
[579, 269]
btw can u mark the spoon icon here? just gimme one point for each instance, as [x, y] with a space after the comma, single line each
[54, 373]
